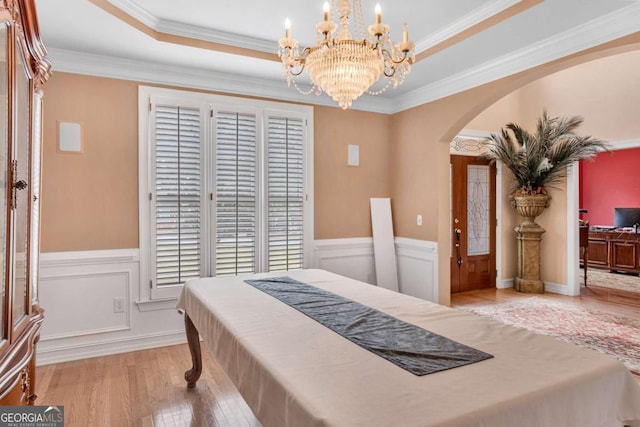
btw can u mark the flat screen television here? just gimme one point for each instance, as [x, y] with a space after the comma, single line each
[626, 217]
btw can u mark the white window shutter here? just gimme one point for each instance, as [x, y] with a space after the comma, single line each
[176, 205]
[236, 193]
[285, 193]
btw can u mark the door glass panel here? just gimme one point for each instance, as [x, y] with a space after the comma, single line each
[21, 219]
[478, 210]
[4, 101]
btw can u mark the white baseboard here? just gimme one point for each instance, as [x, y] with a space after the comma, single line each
[85, 350]
[556, 288]
[506, 283]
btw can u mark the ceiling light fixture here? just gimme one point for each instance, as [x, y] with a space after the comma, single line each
[342, 66]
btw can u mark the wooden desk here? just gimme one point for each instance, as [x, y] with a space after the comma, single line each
[615, 250]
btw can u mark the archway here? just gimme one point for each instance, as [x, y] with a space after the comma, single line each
[418, 159]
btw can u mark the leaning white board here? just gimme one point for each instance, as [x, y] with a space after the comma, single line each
[384, 249]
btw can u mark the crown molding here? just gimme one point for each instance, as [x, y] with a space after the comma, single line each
[187, 77]
[609, 27]
[621, 144]
[192, 31]
[216, 36]
[176, 28]
[469, 133]
[475, 17]
[139, 13]
[624, 144]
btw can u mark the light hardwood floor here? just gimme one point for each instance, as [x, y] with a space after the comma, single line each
[146, 388]
[143, 388]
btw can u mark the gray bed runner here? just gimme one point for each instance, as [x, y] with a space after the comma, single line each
[410, 347]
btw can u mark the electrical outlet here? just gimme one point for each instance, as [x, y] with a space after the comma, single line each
[118, 305]
[419, 219]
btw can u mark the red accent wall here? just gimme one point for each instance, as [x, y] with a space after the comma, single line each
[611, 181]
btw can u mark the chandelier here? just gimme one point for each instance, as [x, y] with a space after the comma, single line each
[345, 67]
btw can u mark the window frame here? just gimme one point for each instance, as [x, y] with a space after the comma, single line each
[211, 172]
[307, 239]
[150, 295]
[169, 291]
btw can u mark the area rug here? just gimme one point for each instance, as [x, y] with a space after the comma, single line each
[604, 279]
[615, 335]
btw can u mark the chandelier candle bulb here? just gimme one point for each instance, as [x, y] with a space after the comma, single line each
[405, 34]
[378, 14]
[287, 29]
[326, 11]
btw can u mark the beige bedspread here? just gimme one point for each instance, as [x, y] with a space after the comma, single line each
[294, 372]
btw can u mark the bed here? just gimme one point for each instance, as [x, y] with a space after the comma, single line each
[293, 371]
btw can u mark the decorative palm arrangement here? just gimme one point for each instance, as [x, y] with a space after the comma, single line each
[537, 161]
[540, 159]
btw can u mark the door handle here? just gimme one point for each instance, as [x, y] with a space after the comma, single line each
[20, 185]
[458, 232]
[15, 184]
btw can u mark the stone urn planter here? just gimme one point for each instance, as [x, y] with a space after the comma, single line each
[529, 237]
[530, 206]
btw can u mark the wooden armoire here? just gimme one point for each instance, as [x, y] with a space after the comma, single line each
[23, 70]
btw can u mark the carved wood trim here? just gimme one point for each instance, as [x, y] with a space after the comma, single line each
[39, 63]
[193, 338]
[25, 20]
[14, 362]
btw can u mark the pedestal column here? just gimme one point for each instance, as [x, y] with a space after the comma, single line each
[529, 235]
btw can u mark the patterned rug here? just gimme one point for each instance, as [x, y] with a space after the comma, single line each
[606, 333]
[604, 279]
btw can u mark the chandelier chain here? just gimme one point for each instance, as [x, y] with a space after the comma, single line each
[382, 89]
[334, 7]
[304, 92]
[358, 20]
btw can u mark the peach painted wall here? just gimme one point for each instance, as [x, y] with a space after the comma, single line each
[342, 192]
[90, 200]
[605, 92]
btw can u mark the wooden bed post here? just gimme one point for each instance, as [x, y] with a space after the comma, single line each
[193, 338]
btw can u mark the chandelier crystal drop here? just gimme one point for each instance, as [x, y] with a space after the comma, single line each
[343, 67]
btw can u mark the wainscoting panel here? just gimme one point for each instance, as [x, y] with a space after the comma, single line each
[90, 310]
[352, 258]
[418, 268]
[417, 263]
[90, 297]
